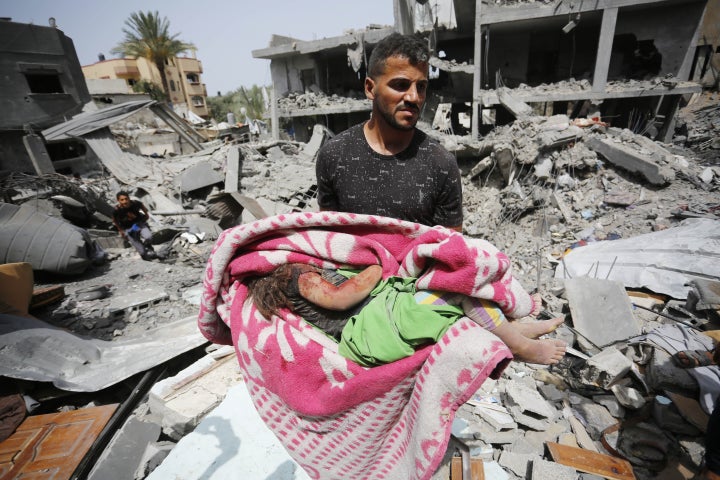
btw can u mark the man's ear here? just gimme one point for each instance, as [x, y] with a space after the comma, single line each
[369, 88]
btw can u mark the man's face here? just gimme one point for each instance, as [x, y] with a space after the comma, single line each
[123, 201]
[399, 93]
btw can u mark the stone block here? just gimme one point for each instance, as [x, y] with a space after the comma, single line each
[529, 400]
[519, 463]
[495, 415]
[544, 470]
[632, 160]
[183, 401]
[628, 397]
[601, 310]
[605, 368]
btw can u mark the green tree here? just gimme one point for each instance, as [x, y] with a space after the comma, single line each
[251, 99]
[147, 35]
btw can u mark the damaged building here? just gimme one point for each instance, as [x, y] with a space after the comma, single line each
[628, 61]
[570, 166]
[42, 86]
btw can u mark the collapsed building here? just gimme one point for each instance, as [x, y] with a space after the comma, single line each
[629, 62]
[615, 229]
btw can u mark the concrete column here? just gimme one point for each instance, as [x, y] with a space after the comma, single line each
[668, 128]
[477, 75]
[403, 13]
[684, 71]
[38, 154]
[274, 115]
[602, 61]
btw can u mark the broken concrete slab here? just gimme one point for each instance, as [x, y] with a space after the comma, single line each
[122, 456]
[611, 403]
[232, 170]
[183, 400]
[596, 417]
[529, 419]
[519, 463]
[232, 438]
[495, 415]
[628, 397]
[495, 471]
[489, 434]
[605, 368]
[517, 108]
[601, 310]
[631, 160]
[529, 400]
[137, 300]
[199, 176]
[544, 470]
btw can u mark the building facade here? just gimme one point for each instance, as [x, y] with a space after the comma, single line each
[629, 59]
[41, 84]
[187, 92]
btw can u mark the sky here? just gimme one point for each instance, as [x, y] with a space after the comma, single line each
[225, 32]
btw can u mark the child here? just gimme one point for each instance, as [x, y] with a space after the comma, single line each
[381, 321]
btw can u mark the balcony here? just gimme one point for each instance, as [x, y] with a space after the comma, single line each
[126, 71]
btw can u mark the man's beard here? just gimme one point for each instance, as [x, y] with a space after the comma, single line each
[390, 120]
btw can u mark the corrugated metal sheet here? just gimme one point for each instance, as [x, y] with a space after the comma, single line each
[128, 168]
[31, 349]
[87, 122]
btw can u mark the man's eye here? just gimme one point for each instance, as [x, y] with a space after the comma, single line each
[400, 85]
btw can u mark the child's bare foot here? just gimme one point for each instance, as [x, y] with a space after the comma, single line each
[536, 328]
[545, 352]
[537, 304]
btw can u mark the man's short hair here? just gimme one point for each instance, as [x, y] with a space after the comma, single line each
[413, 47]
[122, 193]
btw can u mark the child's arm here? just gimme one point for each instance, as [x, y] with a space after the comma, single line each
[319, 291]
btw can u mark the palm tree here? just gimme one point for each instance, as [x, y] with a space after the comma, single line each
[147, 35]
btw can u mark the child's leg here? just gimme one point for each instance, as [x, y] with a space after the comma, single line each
[546, 351]
[527, 349]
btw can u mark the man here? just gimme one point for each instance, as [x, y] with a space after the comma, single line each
[130, 218]
[386, 166]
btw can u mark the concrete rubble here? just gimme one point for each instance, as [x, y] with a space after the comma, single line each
[617, 232]
[553, 190]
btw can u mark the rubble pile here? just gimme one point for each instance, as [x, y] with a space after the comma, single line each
[317, 99]
[539, 189]
[701, 122]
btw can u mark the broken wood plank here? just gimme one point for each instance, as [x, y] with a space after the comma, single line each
[591, 462]
[52, 445]
[477, 471]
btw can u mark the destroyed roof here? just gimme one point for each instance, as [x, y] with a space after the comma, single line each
[368, 36]
[87, 122]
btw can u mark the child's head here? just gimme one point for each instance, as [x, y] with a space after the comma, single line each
[272, 292]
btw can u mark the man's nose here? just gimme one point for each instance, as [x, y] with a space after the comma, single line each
[412, 95]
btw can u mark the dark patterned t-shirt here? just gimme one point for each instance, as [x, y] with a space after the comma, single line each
[420, 184]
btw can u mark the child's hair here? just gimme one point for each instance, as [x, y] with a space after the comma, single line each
[268, 292]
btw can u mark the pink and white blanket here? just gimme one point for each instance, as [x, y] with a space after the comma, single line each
[336, 419]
